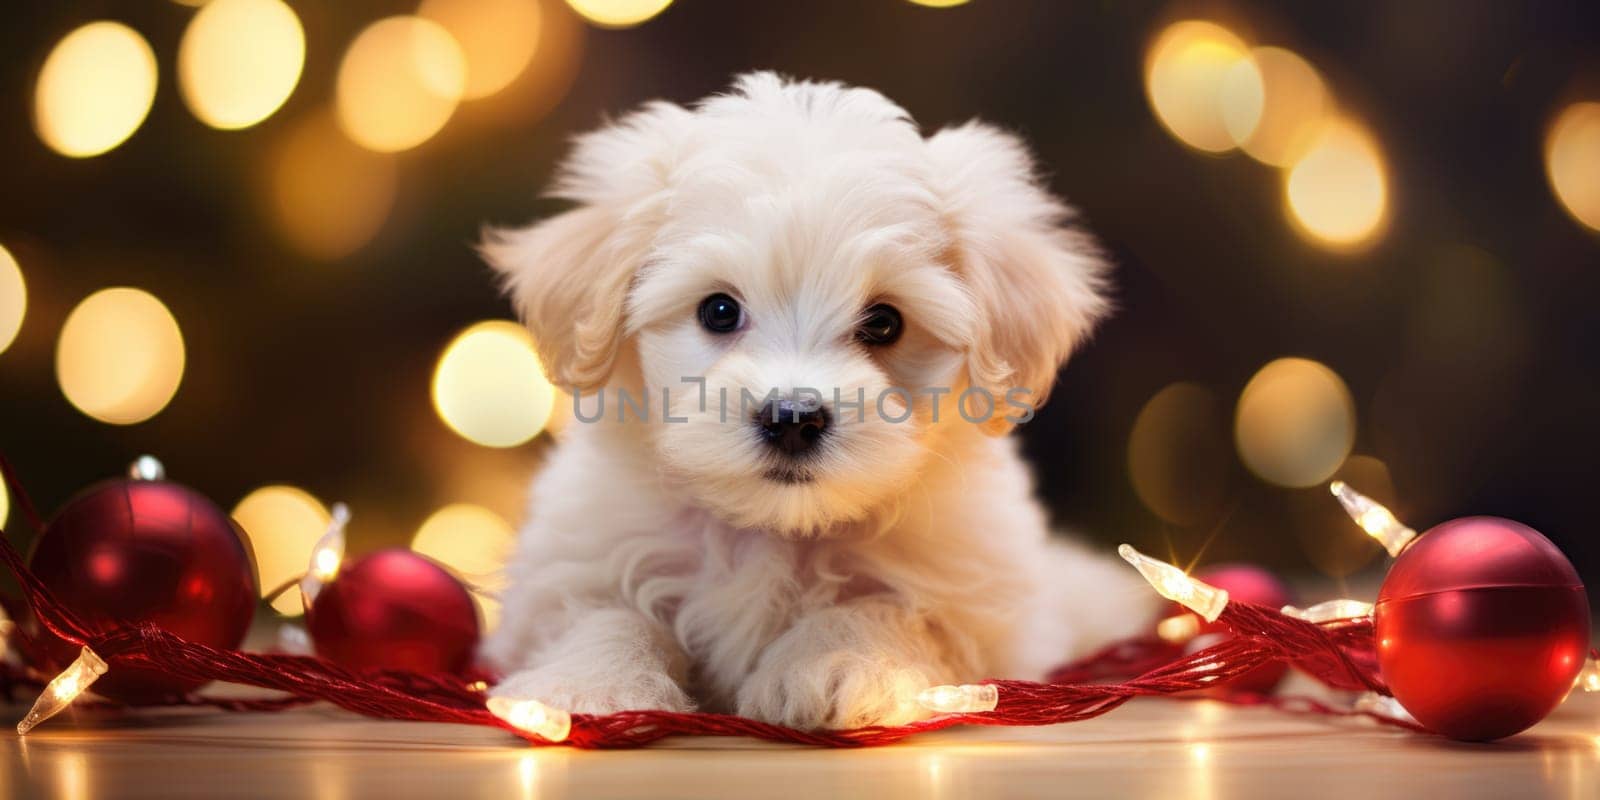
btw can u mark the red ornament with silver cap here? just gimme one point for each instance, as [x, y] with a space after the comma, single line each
[147, 550]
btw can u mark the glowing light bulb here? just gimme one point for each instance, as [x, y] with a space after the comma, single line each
[967, 698]
[550, 724]
[327, 555]
[1343, 608]
[1376, 520]
[1384, 706]
[1170, 582]
[1178, 628]
[147, 468]
[1589, 678]
[63, 689]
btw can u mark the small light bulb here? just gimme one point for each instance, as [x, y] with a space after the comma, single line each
[1384, 706]
[1330, 610]
[550, 724]
[327, 555]
[1589, 678]
[1178, 628]
[147, 468]
[967, 698]
[1373, 518]
[63, 688]
[1170, 582]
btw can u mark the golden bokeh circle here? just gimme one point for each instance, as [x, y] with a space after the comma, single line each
[13, 299]
[95, 89]
[1187, 69]
[282, 524]
[1275, 105]
[498, 38]
[1337, 193]
[470, 539]
[489, 386]
[1178, 454]
[1572, 161]
[618, 13]
[1295, 422]
[328, 195]
[120, 357]
[399, 83]
[239, 60]
[474, 542]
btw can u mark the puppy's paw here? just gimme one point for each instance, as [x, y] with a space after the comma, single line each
[832, 690]
[595, 691]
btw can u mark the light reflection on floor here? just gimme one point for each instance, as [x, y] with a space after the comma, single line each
[1149, 748]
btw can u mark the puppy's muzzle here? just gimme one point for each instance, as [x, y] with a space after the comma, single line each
[792, 426]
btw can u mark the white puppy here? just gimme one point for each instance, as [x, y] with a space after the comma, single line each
[819, 568]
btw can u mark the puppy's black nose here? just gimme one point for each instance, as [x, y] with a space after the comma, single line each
[790, 426]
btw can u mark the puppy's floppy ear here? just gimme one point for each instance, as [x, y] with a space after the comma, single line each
[569, 275]
[1039, 286]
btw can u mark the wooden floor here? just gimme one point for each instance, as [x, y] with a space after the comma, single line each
[1152, 748]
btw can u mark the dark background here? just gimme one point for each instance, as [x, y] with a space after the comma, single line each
[1466, 334]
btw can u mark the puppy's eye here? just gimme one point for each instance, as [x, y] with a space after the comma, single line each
[880, 325]
[720, 313]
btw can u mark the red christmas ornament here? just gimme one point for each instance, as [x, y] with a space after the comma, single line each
[1482, 626]
[147, 551]
[1251, 584]
[394, 609]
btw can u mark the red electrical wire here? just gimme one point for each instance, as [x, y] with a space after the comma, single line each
[1339, 654]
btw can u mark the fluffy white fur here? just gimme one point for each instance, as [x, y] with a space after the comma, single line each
[659, 567]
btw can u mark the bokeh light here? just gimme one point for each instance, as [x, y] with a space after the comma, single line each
[1178, 454]
[1186, 69]
[489, 386]
[283, 524]
[1274, 105]
[939, 3]
[399, 83]
[239, 60]
[328, 196]
[470, 539]
[13, 299]
[497, 37]
[5, 504]
[474, 542]
[94, 90]
[1329, 541]
[1295, 422]
[547, 78]
[1572, 161]
[1337, 193]
[120, 356]
[618, 13]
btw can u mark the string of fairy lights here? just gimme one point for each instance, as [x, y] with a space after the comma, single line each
[1202, 599]
[401, 80]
